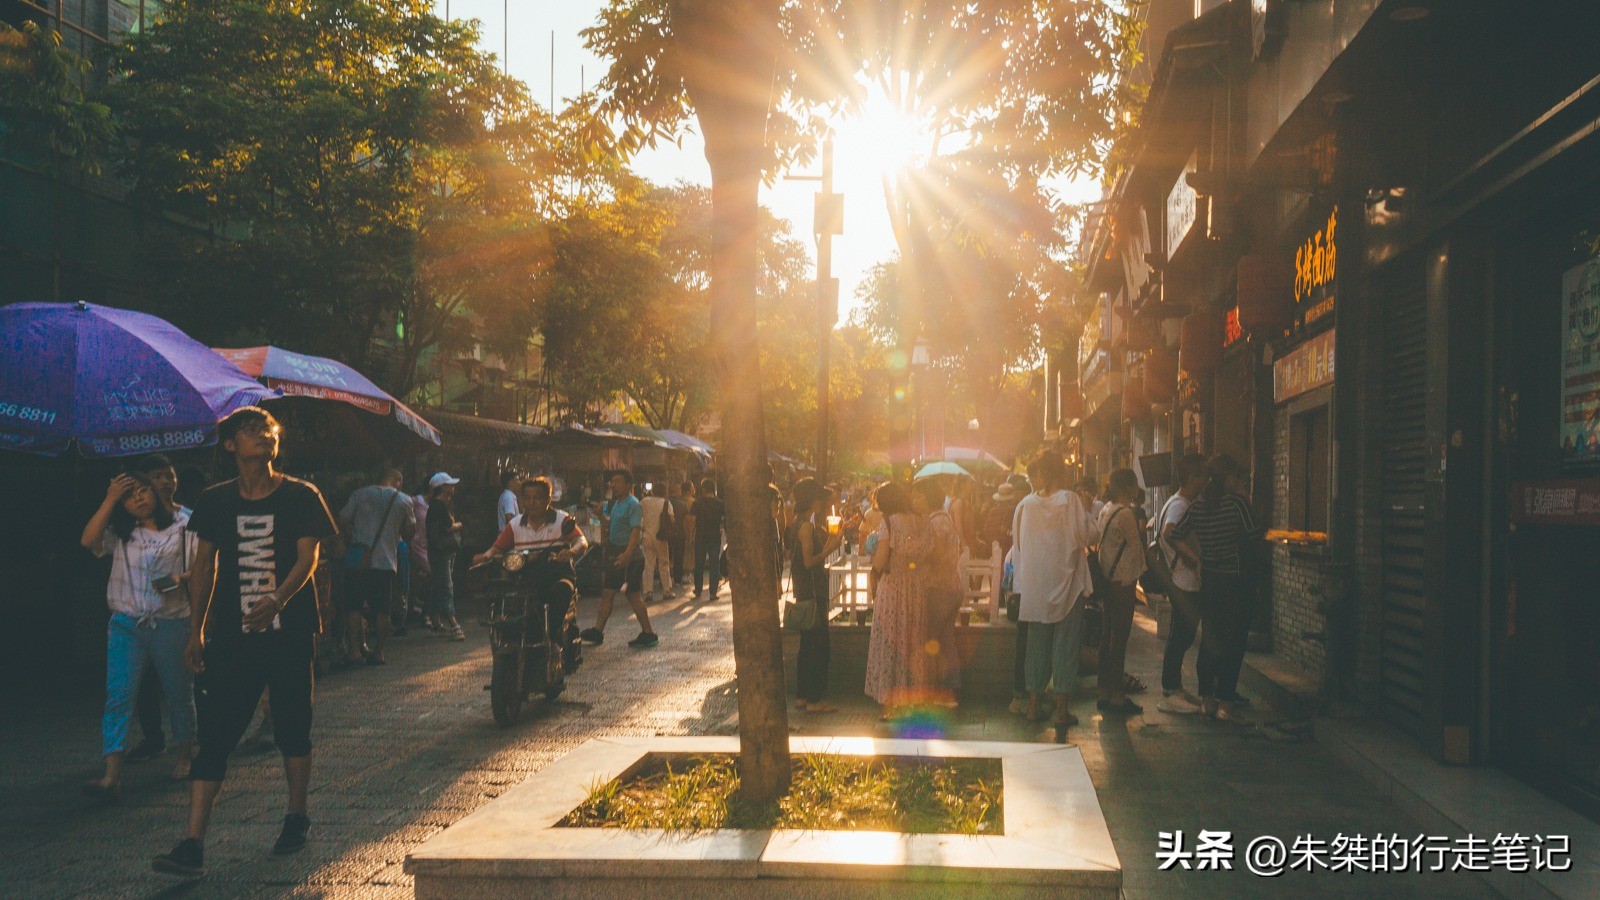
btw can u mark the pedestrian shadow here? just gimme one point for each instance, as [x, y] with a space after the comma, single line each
[716, 706]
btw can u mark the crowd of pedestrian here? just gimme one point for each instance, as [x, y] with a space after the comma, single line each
[216, 613]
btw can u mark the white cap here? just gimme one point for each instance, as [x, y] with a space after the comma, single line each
[441, 478]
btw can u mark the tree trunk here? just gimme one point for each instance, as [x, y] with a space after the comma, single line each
[729, 57]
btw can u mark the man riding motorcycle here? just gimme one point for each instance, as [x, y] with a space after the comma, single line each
[542, 527]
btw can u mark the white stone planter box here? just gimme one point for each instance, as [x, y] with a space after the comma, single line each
[1054, 840]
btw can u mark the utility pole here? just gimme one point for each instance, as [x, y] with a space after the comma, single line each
[827, 220]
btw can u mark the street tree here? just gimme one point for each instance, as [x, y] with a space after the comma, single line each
[363, 165]
[1027, 84]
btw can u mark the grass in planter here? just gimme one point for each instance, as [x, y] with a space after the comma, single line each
[829, 793]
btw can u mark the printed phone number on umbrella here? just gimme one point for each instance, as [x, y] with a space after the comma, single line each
[27, 413]
[165, 440]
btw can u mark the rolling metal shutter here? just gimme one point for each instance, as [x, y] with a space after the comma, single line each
[1404, 437]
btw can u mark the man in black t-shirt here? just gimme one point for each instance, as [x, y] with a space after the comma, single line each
[253, 618]
[707, 512]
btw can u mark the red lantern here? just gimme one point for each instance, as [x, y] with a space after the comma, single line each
[1200, 346]
[1161, 375]
[1266, 294]
[1135, 405]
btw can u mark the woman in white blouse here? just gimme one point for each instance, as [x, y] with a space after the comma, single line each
[150, 555]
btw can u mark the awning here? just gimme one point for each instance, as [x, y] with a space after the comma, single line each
[485, 429]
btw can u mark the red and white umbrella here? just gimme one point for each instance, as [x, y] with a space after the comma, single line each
[303, 375]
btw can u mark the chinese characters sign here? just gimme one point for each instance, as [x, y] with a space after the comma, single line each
[1316, 263]
[1181, 209]
[1306, 368]
[1580, 363]
[1572, 502]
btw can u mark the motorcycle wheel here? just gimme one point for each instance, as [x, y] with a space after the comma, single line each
[505, 690]
[554, 690]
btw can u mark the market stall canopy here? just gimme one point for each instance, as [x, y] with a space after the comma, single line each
[111, 382]
[489, 430]
[688, 442]
[303, 375]
[940, 468]
[636, 431]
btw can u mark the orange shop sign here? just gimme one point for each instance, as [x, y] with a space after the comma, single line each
[1306, 368]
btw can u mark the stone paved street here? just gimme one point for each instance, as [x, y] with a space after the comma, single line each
[401, 751]
[409, 748]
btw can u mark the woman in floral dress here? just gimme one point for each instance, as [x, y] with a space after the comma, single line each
[898, 664]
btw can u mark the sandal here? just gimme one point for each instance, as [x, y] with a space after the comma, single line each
[1132, 685]
[97, 791]
[180, 773]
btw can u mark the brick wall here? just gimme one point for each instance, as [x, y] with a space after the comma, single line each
[1299, 583]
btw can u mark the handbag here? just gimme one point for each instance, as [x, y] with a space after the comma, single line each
[1157, 577]
[800, 615]
[359, 556]
[664, 529]
[1099, 576]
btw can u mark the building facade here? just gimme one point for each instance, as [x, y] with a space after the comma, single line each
[1357, 247]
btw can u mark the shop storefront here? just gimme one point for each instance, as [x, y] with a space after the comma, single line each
[1547, 623]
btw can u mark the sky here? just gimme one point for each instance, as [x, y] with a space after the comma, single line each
[860, 153]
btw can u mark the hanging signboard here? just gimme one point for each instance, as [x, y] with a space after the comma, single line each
[1580, 364]
[1181, 204]
[1316, 264]
[1571, 502]
[1306, 368]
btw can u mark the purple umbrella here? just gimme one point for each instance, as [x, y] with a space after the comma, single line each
[113, 381]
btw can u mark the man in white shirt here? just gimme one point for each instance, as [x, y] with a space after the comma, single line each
[657, 553]
[508, 508]
[1183, 558]
[1051, 530]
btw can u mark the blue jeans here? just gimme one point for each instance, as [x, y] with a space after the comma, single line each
[129, 648]
[444, 586]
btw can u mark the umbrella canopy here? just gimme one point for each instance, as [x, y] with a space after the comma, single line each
[981, 458]
[111, 381]
[939, 468]
[303, 375]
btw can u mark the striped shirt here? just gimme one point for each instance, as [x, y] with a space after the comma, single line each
[1222, 527]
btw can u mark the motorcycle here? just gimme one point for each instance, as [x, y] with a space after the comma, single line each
[535, 644]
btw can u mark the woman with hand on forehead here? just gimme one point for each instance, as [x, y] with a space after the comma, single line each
[150, 555]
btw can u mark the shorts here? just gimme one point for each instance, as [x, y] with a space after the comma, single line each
[226, 694]
[630, 576]
[367, 590]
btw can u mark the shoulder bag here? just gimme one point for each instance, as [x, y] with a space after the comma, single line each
[359, 556]
[1100, 576]
[1157, 577]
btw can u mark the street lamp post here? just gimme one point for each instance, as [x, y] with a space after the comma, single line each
[827, 221]
[919, 365]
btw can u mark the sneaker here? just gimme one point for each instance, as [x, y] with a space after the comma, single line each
[458, 634]
[293, 836]
[592, 636]
[145, 751]
[644, 641]
[1178, 704]
[187, 858]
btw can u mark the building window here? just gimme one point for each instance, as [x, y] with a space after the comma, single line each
[1310, 470]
